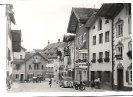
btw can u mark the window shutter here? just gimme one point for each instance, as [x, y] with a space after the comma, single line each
[127, 76]
[110, 78]
[103, 77]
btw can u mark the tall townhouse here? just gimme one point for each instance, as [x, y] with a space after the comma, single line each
[13, 37]
[35, 64]
[70, 52]
[19, 66]
[120, 14]
[100, 48]
[53, 53]
[78, 18]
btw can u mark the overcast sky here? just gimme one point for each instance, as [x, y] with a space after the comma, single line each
[43, 20]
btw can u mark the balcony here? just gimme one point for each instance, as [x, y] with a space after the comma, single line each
[118, 57]
[81, 61]
[36, 61]
[129, 54]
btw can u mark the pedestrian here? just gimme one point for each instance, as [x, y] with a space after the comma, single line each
[50, 82]
[98, 83]
[92, 84]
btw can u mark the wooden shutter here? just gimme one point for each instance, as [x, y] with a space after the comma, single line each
[127, 76]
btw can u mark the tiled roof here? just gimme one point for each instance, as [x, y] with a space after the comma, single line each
[84, 13]
[30, 54]
[18, 61]
[51, 49]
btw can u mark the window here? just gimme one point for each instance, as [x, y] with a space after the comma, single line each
[84, 56]
[100, 54]
[107, 76]
[130, 76]
[130, 25]
[9, 58]
[34, 67]
[17, 76]
[37, 67]
[21, 56]
[107, 36]
[119, 51]
[119, 28]
[100, 24]
[93, 27]
[29, 67]
[107, 21]
[84, 37]
[42, 67]
[17, 67]
[94, 40]
[130, 46]
[94, 55]
[106, 53]
[101, 38]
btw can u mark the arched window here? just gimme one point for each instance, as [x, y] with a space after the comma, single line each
[100, 24]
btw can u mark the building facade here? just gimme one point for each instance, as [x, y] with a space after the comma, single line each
[100, 48]
[120, 14]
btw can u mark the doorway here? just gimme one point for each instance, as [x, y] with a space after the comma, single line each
[21, 77]
[120, 79]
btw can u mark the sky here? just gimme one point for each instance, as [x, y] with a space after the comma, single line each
[43, 20]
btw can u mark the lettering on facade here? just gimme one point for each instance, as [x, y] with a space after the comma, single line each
[125, 38]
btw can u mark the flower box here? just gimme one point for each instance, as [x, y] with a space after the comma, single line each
[107, 59]
[93, 60]
[100, 60]
[129, 54]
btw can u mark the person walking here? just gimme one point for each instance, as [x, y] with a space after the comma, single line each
[92, 84]
[50, 82]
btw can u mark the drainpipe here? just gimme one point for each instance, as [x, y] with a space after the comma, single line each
[112, 57]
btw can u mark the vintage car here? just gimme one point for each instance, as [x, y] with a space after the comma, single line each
[66, 82]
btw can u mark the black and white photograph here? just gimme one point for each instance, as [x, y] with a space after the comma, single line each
[66, 46]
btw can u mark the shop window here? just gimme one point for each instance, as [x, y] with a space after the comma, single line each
[99, 75]
[101, 38]
[107, 36]
[100, 24]
[17, 76]
[92, 75]
[94, 40]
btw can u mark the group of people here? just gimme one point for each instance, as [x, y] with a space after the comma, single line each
[95, 83]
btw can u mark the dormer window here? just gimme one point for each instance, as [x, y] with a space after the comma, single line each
[100, 24]
[107, 21]
[119, 28]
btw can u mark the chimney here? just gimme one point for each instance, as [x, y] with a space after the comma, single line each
[58, 40]
[48, 42]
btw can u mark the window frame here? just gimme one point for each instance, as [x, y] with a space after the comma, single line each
[119, 22]
[107, 54]
[100, 54]
[94, 40]
[94, 55]
[100, 24]
[107, 36]
[100, 38]
[21, 56]
[17, 76]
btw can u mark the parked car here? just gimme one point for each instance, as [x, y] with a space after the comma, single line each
[66, 82]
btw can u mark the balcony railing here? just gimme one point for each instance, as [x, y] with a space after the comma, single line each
[118, 57]
[81, 61]
[37, 61]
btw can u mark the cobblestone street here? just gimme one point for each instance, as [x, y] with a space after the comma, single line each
[44, 87]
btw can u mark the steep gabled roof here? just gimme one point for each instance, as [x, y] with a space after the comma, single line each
[23, 48]
[29, 55]
[79, 15]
